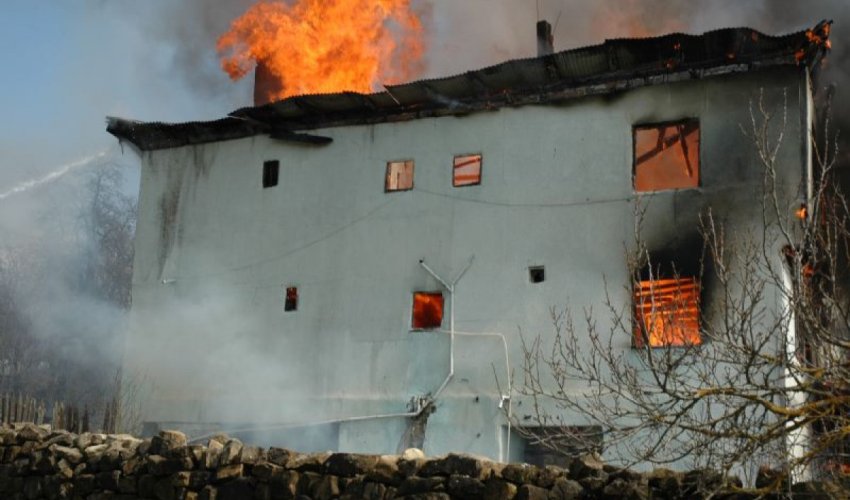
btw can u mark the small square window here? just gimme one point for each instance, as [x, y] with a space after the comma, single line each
[399, 176]
[467, 170]
[291, 303]
[537, 274]
[427, 310]
[667, 312]
[271, 170]
[666, 156]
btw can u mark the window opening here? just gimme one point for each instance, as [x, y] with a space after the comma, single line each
[558, 445]
[666, 156]
[291, 303]
[667, 312]
[399, 176]
[427, 310]
[467, 170]
[271, 171]
[537, 274]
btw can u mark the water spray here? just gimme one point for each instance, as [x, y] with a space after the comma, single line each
[52, 176]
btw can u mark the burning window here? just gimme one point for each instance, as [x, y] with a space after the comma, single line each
[666, 156]
[291, 303]
[399, 176]
[667, 312]
[271, 170]
[427, 310]
[467, 170]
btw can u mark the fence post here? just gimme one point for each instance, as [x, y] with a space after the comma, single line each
[19, 402]
[58, 415]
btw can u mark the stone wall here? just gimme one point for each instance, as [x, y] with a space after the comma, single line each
[36, 462]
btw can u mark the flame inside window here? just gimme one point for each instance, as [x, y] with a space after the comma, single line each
[667, 312]
[467, 170]
[427, 310]
[666, 156]
[399, 176]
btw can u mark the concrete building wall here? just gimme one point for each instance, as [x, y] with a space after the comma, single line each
[215, 252]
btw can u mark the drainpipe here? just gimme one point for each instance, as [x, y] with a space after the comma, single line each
[451, 289]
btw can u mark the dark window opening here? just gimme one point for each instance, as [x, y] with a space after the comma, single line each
[291, 303]
[427, 310]
[558, 445]
[537, 274]
[666, 156]
[399, 176]
[467, 170]
[271, 171]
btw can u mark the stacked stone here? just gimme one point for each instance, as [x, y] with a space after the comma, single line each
[37, 463]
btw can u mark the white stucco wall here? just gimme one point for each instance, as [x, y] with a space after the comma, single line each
[215, 251]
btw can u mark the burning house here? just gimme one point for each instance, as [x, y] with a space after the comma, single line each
[363, 264]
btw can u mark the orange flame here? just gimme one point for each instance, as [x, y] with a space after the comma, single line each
[817, 37]
[667, 312]
[322, 46]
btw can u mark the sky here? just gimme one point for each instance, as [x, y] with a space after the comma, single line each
[69, 64]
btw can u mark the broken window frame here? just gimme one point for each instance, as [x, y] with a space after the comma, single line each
[271, 173]
[684, 122]
[642, 333]
[421, 325]
[389, 173]
[291, 299]
[469, 158]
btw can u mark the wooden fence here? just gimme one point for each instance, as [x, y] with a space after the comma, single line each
[61, 415]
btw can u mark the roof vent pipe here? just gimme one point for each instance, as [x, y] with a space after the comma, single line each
[545, 39]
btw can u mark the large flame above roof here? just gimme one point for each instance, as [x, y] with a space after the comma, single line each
[323, 46]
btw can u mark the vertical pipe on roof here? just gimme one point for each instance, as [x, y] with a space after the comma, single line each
[545, 39]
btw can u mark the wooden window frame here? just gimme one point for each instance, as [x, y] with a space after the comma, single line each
[455, 167]
[387, 175]
[638, 128]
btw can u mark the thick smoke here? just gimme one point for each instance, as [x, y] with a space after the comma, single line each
[65, 263]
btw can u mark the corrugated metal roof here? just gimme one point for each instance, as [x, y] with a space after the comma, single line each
[613, 65]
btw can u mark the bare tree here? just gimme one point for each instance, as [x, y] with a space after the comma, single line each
[761, 378]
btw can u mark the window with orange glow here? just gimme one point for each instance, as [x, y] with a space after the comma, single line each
[399, 176]
[666, 156]
[427, 310]
[667, 312]
[467, 170]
